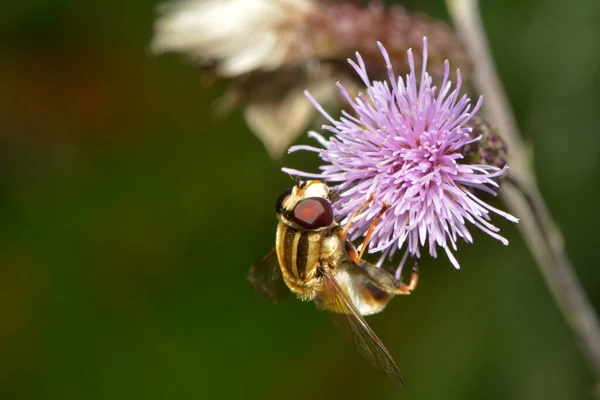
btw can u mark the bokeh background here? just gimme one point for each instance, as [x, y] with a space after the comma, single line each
[129, 215]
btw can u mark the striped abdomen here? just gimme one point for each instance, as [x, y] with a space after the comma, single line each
[299, 253]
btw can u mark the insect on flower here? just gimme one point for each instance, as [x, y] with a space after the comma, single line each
[404, 144]
[315, 260]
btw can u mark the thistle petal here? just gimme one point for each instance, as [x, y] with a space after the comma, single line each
[405, 145]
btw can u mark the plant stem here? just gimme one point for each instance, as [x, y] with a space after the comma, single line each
[521, 193]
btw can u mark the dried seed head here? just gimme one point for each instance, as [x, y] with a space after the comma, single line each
[336, 31]
[490, 149]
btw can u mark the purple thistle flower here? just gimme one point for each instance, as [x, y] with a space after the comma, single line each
[403, 146]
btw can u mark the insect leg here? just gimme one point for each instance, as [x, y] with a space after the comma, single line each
[370, 230]
[414, 274]
[354, 215]
[386, 281]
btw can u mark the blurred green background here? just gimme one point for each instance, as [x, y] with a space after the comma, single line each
[129, 216]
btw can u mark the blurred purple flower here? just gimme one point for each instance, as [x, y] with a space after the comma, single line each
[403, 145]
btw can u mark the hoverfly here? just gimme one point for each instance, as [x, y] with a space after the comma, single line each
[315, 260]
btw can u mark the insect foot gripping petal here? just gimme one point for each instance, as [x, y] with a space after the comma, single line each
[414, 279]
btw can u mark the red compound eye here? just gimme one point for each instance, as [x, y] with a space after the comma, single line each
[313, 213]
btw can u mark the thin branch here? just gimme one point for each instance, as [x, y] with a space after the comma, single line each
[522, 195]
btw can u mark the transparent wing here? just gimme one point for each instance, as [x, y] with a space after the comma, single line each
[265, 277]
[333, 299]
